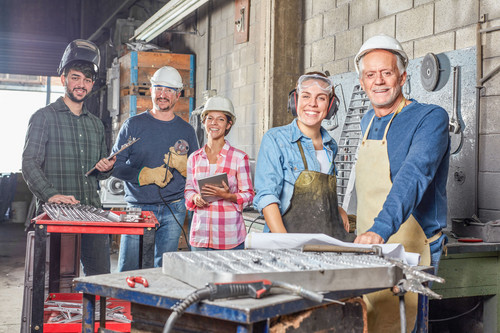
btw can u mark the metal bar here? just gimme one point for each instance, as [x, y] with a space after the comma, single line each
[489, 75]
[37, 302]
[88, 321]
[54, 263]
[88, 229]
[148, 248]
[102, 312]
[495, 28]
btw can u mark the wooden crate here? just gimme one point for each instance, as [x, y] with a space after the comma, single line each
[136, 70]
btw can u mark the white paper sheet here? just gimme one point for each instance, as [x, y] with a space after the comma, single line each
[259, 240]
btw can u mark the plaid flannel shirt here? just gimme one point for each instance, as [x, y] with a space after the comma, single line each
[60, 148]
[220, 225]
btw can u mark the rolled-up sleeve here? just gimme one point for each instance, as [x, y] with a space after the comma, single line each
[245, 193]
[191, 188]
[269, 174]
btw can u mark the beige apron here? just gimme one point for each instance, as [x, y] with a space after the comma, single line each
[373, 184]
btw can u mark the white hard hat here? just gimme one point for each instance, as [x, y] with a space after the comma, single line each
[381, 42]
[219, 103]
[168, 77]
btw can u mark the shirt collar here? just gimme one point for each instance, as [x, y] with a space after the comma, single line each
[223, 151]
[60, 106]
[296, 134]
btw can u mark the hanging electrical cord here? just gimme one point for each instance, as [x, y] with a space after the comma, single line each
[251, 224]
[168, 206]
[254, 289]
[175, 218]
[455, 317]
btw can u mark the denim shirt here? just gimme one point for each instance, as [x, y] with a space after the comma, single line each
[279, 164]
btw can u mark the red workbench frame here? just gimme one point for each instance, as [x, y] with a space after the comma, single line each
[43, 225]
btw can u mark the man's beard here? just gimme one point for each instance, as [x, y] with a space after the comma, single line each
[73, 98]
[164, 109]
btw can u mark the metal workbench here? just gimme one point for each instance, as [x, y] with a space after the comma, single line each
[473, 269]
[237, 315]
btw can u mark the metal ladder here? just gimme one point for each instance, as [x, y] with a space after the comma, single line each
[349, 141]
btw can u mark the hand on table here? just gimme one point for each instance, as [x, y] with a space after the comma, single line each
[63, 199]
[369, 237]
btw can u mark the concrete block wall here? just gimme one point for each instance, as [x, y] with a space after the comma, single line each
[234, 69]
[335, 30]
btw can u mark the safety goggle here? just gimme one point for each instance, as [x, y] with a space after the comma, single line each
[165, 89]
[308, 80]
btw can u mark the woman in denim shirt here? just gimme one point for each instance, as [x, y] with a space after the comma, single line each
[295, 174]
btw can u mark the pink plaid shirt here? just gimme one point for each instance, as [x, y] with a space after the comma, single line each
[220, 225]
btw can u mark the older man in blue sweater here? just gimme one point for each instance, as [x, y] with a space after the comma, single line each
[401, 171]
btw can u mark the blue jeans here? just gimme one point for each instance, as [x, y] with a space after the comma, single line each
[166, 236]
[239, 247]
[95, 254]
[436, 250]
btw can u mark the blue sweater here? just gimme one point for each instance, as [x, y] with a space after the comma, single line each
[156, 137]
[419, 148]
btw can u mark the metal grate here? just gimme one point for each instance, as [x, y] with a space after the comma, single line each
[320, 271]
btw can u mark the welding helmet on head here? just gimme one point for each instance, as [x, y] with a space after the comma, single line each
[381, 42]
[167, 77]
[80, 50]
[307, 80]
[219, 103]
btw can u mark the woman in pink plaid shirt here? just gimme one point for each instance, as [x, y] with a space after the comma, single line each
[218, 225]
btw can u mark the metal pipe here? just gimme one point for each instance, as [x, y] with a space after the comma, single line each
[495, 28]
[207, 74]
[479, 73]
[489, 75]
[402, 313]
[47, 99]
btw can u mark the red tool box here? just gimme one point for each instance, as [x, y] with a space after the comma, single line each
[56, 321]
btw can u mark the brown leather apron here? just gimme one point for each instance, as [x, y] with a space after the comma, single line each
[314, 206]
[373, 184]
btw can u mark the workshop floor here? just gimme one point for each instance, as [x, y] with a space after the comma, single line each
[12, 250]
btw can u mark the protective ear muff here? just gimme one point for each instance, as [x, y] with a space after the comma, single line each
[333, 107]
[292, 102]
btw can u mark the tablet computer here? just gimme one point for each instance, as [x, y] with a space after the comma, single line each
[212, 180]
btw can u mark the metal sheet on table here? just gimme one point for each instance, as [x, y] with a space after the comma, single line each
[325, 271]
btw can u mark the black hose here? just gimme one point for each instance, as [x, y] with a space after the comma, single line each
[175, 218]
[179, 308]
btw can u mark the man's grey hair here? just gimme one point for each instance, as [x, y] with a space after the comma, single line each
[399, 63]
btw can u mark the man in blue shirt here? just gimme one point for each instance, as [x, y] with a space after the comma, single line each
[401, 171]
[149, 184]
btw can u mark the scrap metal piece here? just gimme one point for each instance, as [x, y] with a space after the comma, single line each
[414, 286]
[78, 212]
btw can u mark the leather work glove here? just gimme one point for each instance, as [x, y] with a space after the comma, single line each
[177, 161]
[159, 176]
